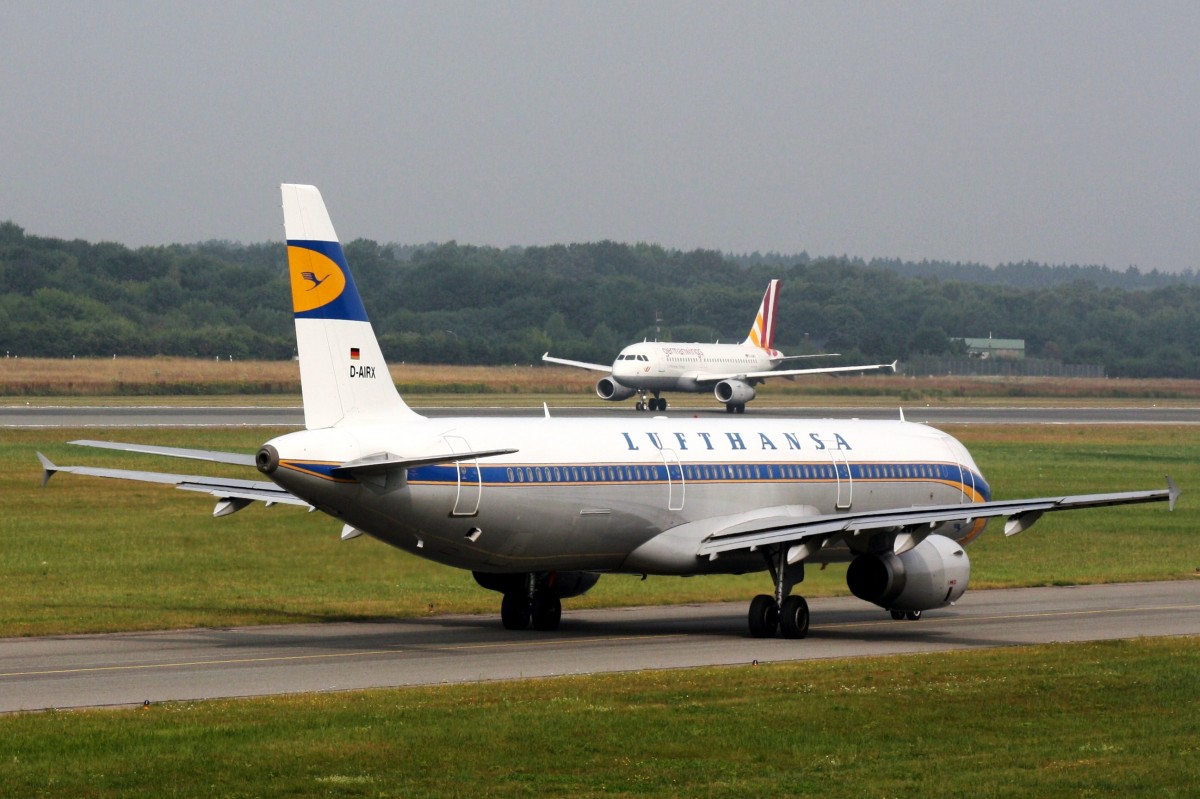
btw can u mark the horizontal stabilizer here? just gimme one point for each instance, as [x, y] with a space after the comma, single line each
[220, 487]
[213, 456]
[386, 461]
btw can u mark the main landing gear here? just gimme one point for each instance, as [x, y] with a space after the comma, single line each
[518, 611]
[540, 607]
[653, 404]
[735, 407]
[784, 612]
[910, 615]
[535, 599]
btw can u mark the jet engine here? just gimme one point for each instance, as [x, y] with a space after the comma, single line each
[932, 574]
[734, 392]
[609, 389]
[564, 585]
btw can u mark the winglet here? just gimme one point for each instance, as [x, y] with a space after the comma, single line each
[48, 469]
[1173, 493]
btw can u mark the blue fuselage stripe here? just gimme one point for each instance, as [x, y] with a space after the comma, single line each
[635, 473]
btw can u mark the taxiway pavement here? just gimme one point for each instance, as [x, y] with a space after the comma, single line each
[130, 668]
[202, 416]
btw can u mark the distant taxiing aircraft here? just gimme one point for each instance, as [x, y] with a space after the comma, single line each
[539, 508]
[729, 371]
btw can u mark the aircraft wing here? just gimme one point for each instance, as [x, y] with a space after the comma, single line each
[783, 358]
[595, 367]
[807, 534]
[234, 494]
[708, 377]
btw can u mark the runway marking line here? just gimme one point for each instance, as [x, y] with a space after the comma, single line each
[398, 649]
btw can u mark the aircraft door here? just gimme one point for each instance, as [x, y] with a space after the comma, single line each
[966, 478]
[845, 483]
[470, 480]
[675, 483]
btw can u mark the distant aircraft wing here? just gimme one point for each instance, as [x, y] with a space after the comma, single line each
[783, 358]
[707, 377]
[807, 534]
[233, 493]
[595, 367]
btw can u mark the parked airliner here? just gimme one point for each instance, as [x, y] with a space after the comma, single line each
[539, 508]
[729, 371]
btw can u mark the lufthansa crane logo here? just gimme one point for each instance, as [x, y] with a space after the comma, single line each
[309, 291]
[313, 278]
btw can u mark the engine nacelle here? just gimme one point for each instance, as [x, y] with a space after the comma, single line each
[564, 585]
[734, 392]
[932, 574]
[609, 389]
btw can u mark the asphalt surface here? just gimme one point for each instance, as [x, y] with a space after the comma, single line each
[161, 416]
[130, 668]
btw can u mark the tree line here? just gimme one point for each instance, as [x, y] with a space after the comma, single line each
[459, 304]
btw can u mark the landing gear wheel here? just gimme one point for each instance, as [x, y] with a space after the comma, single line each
[639, 406]
[910, 615]
[739, 408]
[764, 616]
[514, 611]
[546, 611]
[728, 409]
[662, 404]
[793, 617]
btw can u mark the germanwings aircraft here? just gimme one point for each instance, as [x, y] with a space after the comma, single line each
[730, 371]
[539, 508]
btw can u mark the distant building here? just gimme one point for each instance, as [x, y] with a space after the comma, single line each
[987, 348]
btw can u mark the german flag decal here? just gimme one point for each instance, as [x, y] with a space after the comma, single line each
[354, 353]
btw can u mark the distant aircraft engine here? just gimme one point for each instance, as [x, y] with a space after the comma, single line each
[564, 585]
[734, 392]
[932, 574]
[609, 389]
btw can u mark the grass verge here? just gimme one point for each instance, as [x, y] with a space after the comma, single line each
[1107, 719]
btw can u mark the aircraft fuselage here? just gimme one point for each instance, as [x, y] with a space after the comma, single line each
[668, 366]
[608, 500]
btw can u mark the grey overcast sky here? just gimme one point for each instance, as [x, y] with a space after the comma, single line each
[974, 131]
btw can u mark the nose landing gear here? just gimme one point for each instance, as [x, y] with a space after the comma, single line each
[653, 404]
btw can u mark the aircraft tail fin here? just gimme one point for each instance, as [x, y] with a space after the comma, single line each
[762, 333]
[343, 376]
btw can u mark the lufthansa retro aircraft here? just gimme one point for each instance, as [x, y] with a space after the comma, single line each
[729, 371]
[539, 508]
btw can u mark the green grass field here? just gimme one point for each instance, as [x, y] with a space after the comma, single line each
[89, 555]
[1098, 720]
